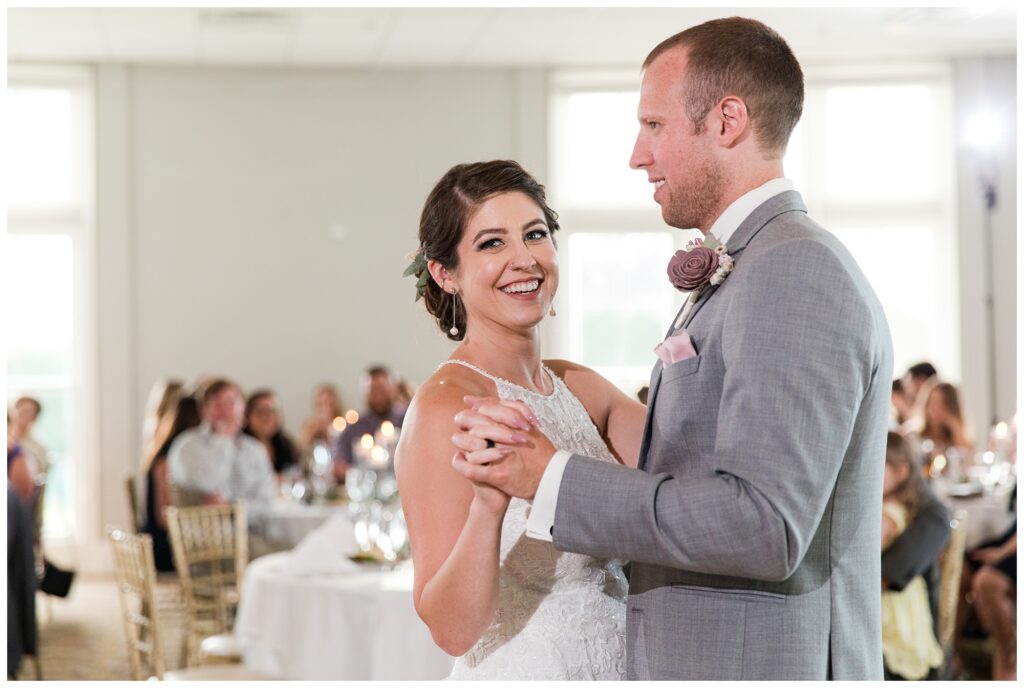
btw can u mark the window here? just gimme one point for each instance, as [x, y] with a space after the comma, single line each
[884, 191]
[615, 245]
[49, 179]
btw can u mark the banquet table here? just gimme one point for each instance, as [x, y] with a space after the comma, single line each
[988, 513]
[287, 522]
[353, 625]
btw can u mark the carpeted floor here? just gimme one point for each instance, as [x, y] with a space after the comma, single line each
[81, 637]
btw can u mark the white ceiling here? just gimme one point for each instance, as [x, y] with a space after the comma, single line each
[467, 37]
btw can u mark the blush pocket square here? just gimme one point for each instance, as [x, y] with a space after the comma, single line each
[676, 348]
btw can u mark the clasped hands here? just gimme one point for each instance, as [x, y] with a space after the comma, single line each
[500, 444]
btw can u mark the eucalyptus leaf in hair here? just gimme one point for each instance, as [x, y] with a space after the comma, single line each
[418, 267]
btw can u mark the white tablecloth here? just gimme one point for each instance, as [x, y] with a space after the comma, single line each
[359, 625]
[286, 523]
[988, 513]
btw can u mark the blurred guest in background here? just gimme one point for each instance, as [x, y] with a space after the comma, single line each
[22, 422]
[917, 377]
[184, 416]
[263, 422]
[327, 406]
[19, 472]
[216, 458]
[945, 431]
[902, 408]
[405, 390]
[163, 398]
[909, 645]
[379, 396]
[988, 591]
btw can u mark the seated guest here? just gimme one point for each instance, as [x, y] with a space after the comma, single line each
[184, 416]
[22, 422]
[379, 394]
[162, 400]
[944, 428]
[917, 379]
[318, 428]
[988, 587]
[900, 407]
[909, 645]
[216, 458]
[263, 422]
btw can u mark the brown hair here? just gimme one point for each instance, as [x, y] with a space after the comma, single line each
[448, 208]
[745, 58]
[912, 491]
[184, 416]
[951, 400]
[254, 398]
[216, 386]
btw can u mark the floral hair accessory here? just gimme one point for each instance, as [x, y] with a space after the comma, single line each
[703, 262]
[418, 267]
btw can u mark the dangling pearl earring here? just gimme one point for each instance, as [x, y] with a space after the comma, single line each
[552, 311]
[454, 331]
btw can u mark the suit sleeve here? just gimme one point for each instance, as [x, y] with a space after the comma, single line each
[918, 547]
[799, 350]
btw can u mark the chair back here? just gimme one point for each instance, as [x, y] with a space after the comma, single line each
[135, 572]
[951, 563]
[210, 546]
[184, 496]
[133, 502]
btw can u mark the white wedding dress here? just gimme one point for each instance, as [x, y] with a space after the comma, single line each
[560, 615]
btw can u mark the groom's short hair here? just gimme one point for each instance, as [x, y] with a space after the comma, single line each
[745, 58]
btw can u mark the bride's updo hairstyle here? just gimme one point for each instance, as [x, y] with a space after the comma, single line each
[459, 193]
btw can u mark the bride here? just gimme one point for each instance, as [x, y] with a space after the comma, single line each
[509, 606]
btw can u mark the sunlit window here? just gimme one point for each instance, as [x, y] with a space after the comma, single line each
[882, 189]
[39, 323]
[620, 305]
[48, 167]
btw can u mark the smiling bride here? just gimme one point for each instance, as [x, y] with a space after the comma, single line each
[509, 606]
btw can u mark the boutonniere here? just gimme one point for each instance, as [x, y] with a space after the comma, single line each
[703, 262]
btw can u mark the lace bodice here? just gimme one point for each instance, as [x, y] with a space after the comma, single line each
[560, 615]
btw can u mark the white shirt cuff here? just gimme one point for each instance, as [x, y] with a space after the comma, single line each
[542, 514]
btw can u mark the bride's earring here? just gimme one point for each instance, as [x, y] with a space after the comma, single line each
[454, 331]
[552, 311]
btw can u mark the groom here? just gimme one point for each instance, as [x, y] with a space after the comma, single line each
[754, 524]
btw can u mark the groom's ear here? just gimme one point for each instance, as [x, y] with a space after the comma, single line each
[732, 121]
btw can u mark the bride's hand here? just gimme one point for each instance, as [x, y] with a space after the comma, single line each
[489, 499]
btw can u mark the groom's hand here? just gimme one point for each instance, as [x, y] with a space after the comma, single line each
[520, 452]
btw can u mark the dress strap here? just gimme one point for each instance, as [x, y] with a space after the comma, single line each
[500, 381]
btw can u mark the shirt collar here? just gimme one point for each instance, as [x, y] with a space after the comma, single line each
[740, 209]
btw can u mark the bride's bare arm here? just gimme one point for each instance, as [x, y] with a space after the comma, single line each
[618, 417]
[454, 526]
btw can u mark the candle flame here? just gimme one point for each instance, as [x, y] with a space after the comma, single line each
[351, 416]
[378, 454]
[339, 424]
[387, 428]
[366, 441]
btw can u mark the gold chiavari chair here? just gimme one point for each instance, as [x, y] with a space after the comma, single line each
[136, 582]
[210, 546]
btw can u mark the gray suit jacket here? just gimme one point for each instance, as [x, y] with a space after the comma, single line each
[754, 527]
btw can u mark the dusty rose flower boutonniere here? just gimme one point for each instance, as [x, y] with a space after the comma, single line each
[703, 262]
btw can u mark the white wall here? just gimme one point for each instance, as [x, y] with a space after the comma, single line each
[255, 223]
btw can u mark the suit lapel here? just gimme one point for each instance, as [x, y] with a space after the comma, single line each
[785, 202]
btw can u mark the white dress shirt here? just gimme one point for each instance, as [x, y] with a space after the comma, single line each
[237, 467]
[542, 513]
